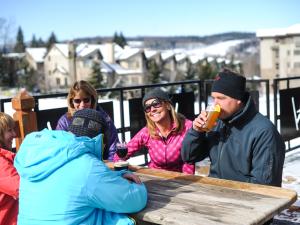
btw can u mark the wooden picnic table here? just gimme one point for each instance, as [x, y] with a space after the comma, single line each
[179, 199]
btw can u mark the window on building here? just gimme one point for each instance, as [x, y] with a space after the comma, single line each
[88, 62]
[66, 82]
[288, 65]
[288, 52]
[49, 58]
[276, 53]
[134, 80]
[296, 52]
[49, 72]
[277, 66]
[58, 81]
[297, 65]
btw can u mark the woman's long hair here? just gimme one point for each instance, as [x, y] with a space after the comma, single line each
[176, 118]
[87, 88]
[6, 123]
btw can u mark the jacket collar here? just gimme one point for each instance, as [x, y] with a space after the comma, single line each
[243, 115]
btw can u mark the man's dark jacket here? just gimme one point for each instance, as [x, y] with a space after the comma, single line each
[246, 147]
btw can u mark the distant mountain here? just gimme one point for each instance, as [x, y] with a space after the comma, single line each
[169, 42]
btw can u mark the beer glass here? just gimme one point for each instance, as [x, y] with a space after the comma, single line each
[213, 112]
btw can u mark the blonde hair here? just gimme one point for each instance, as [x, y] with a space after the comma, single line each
[87, 88]
[6, 123]
[176, 118]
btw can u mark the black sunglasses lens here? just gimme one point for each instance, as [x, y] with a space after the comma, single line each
[147, 108]
[86, 100]
[78, 101]
[155, 104]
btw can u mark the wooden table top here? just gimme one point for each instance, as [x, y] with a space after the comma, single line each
[179, 199]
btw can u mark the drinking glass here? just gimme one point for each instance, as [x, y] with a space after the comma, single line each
[213, 112]
[121, 151]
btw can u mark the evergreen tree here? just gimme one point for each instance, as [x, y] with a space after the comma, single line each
[231, 63]
[8, 69]
[20, 46]
[52, 40]
[34, 43]
[190, 73]
[123, 41]
[119, 39]
[41, 43]
[154, 71]
[28, 78]
[205, 71]
[96, 77]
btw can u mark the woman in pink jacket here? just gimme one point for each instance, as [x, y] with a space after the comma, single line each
[9, 178]
[162, 135]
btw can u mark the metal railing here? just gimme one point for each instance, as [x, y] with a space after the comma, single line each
[200, 87]
[277, 113]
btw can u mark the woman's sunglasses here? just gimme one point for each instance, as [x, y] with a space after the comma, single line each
[84, 100]
[156, 104]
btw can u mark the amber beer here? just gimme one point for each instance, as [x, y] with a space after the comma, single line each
[213, 112]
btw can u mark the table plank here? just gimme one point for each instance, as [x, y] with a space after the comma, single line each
[180, 199]
[182, 202]
[242, 186]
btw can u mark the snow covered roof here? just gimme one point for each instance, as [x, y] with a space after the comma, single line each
[150, 53]
[63, 48]
[167, 54]
[220, 60]
[37, 54]
[292, 30]
[105, 67]
[180, 56]
[61, 70]
[127, 52]
[14, 55]
[84, 50]
[196, 58]
[122, 71]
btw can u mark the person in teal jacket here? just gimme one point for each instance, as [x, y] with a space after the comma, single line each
[64, 181]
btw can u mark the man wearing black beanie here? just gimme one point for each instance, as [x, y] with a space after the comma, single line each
[244, 145]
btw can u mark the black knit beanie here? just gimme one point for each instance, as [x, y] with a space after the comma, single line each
[87, 122]
[156, 93]
[230, 84]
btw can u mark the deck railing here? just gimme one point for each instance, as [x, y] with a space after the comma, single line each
[189, 97]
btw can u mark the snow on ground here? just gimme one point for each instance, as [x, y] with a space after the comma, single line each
[219, 49]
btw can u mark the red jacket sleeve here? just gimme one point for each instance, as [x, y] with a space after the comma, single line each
[9, 178]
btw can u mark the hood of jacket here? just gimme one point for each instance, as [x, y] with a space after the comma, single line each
[42, 153]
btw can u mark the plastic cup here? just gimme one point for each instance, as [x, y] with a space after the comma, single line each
[213, 112]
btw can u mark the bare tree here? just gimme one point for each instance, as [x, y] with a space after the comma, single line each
[6, 29]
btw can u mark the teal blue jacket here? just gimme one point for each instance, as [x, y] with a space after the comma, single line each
[63, 181]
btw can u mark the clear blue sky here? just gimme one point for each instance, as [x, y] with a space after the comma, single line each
[70, 19]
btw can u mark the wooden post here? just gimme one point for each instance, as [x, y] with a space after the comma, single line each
[23, 103]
